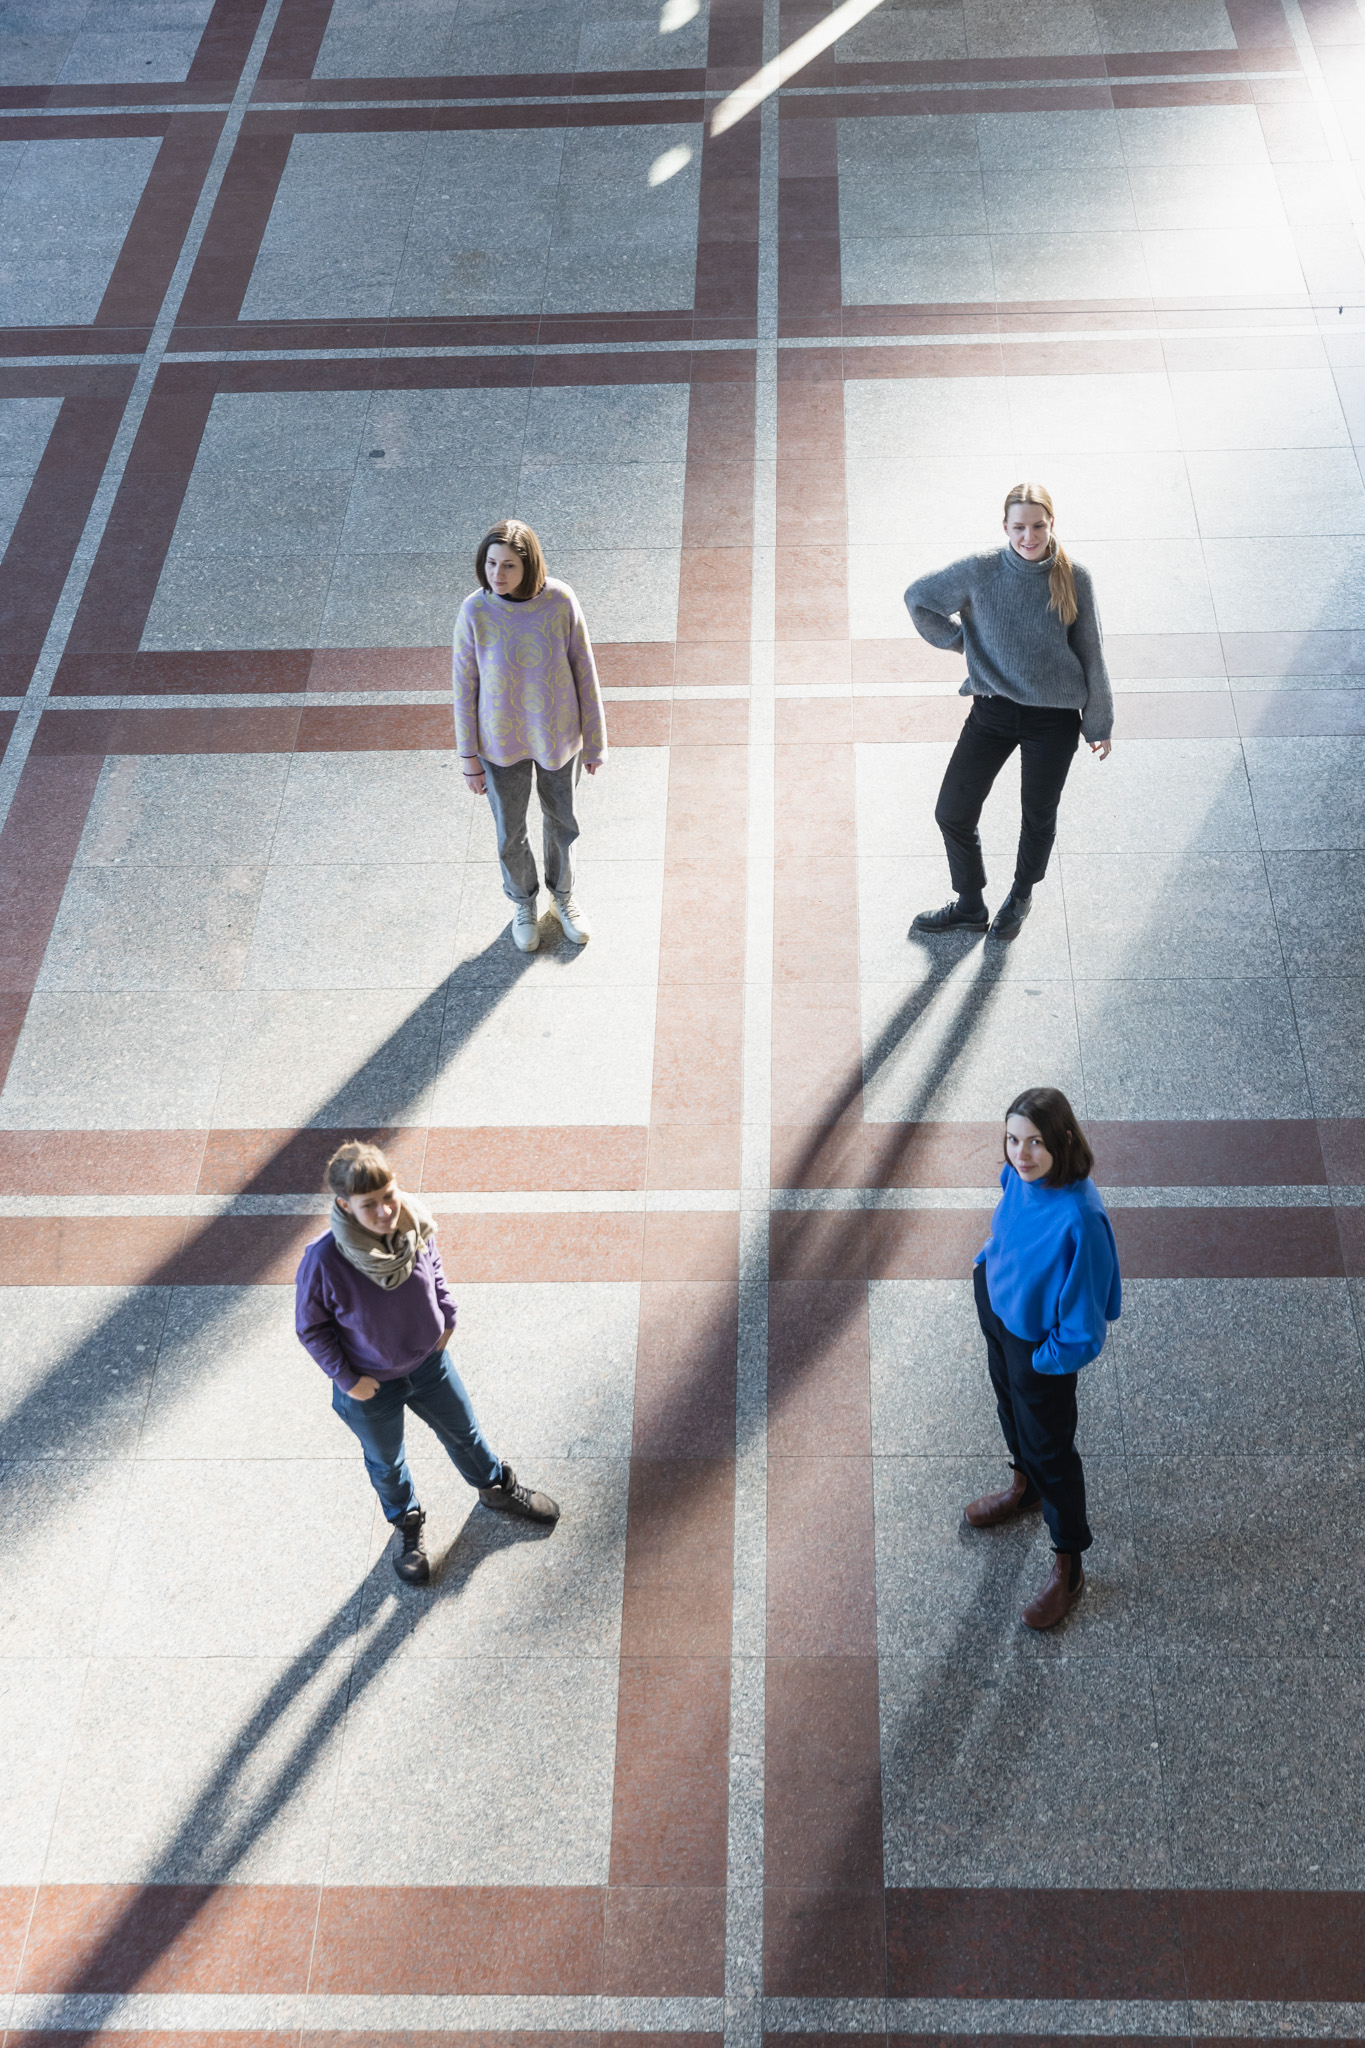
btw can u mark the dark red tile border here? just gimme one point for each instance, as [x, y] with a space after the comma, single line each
[225, 43]
[293, 48]
[151, 247]
[225, 1938]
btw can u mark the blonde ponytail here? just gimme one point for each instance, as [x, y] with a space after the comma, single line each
[1061, 583]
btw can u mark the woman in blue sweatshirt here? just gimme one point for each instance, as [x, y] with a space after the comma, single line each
[1047, 1288]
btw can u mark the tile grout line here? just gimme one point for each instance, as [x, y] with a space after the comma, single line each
[743, 2022]
[63, 617]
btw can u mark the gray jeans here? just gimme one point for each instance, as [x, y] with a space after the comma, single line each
[509, 793]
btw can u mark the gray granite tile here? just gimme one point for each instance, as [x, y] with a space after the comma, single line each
[1190, 1049]
[595, 423]
[1328, 1012]
[179, 929]
[505, 1776]
[1168, 915]
[196, 1571]
[441, 430]
[622, 810]
[253, 431]
[887, 270]
[964, 1045]
[1309, 793]
[59, 1524]
[929, 139]
[369, 39]
[619, 277]
[1313, 490]
[77, 1368]
[1191, 135]
[420, 796]
[1252, 1798]
[938, 1577]
[413, 511]
[445, 277]
[180, 810]
[573, 505]
[1227, 261]
[1221, 1539]
[503, 47]
[335, 236]
[1164, 25]
[1160, 796]
[1093, 413]
[979, 1745]
[896, 34]
[945, 416]
[394, 600]
[637, 44]
[1049, 28]
[891, 892]
[25, 423]
[1239, 1366]
[1046, 142]
[626, 593]
[1101, 201]
[117, 1063]
[1244, 409]
[232, 1378]
[505, 1589]
[328, 926]
[230, 601]
[1184, 196]
[32, 59]
[931, 1391]
[330, 1057]
[1108, 264]
[910, 197]
[119, 58]
[542, 1055]
[39, 1698]
[551, 1367]
[624, 900]
[1305, 585]
[244, 1793]
[1319, 910]
[262, 516]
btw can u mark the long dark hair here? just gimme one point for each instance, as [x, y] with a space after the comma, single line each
[1057, 1124]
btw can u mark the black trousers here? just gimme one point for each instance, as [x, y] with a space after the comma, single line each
[1047, 743]
[1037, 1412]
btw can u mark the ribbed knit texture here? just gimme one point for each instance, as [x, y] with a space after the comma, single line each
[526, 684]
[1015, 646]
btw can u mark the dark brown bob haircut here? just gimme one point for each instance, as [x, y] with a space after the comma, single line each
[514, 534]
[1056, 1122]
[357, 1169]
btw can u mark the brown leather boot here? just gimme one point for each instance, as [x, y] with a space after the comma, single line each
[1058, 1596]
[1002, 1507]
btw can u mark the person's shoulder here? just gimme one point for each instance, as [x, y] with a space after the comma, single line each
[475, 602]
[1088, 1201]
[315, 1254]
[1084, 581]
[560, 592]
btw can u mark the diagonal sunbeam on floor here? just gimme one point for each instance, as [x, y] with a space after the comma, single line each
[794, 58]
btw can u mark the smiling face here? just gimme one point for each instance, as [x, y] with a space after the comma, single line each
[1025, 1150]
[377, 1213]
[504, 569]
[1028, 529]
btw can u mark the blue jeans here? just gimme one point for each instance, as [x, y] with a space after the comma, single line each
[435, 1391]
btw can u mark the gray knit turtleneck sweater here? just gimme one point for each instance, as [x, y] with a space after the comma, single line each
[1015, 646]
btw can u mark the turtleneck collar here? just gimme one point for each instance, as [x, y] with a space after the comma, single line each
[1023, 568]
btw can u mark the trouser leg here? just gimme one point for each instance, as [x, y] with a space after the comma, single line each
[555, 787]
[1047, 749]
[1037, 1413]
[994, 1332]
[438, 1395]
[509, 793]
[377, 1424]
[977, 759]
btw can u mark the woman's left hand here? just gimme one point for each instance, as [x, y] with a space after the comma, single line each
[1101, 749]
[592, 766]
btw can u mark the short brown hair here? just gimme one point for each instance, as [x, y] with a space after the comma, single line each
[356, 1168]
[514, 534]
[1056, 1122]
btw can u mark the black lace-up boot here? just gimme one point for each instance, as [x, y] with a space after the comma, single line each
[514, 1499]
[411, 1562]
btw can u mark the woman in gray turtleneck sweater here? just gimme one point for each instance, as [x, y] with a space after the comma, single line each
[1025, 617]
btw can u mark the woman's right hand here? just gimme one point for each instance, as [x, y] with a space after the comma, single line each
[475, 779]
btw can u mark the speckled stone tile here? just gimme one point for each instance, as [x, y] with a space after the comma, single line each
[77, 1368]
[117, 1062]
[231, 1376]
[1191, 1049]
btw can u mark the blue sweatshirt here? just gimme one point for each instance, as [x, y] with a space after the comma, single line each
[1052, 1270]
[351, 1326]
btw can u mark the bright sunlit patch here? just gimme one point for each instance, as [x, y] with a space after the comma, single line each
[791, 60]
[677, 14]
[669, 164]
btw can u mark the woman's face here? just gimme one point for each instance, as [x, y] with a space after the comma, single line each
[377, 1212]
[1029, 531]
[504, 569]
[1025, 1150]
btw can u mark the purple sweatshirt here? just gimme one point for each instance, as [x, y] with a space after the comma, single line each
[352, 1327]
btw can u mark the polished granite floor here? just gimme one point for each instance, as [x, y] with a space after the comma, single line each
[296, 298]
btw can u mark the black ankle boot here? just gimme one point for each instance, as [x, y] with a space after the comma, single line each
[411, 1562]
[1011, 915]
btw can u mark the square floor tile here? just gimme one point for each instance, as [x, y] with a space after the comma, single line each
[186, 809]
[1092, 414]
[545, 1055]
[1313, 491]
[1328, 1010]
[331, 1056]
[1310, 585]
[622, 811]
[237, 601]
[1074, 140]
[77, 1368]
[551, 1368]
[961, 1046]
[39, 1698]
[59, 1520]
[1309, 793]
[1243, 409]
[1191, 135]
[1167, 915]
[232, 1378]
[177, 929]
[1319, 910]
[318, 927]
[420, 796]
[1264, 1365]
[1159, 796]
[295, 431]
[117, 1063]
[1190, 1049]
[334, 240]
[624, 900]
[946, 416]
[891, 892]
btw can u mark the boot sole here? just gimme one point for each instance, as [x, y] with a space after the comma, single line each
[945, 931]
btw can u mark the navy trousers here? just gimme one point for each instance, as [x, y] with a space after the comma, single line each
[1037, 1413]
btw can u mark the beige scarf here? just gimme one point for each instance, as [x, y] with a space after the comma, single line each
[388, 1261]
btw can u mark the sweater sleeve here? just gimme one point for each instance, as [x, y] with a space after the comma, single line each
[931, 602]
[465, 669]
[316, 1327]
[591, 715]
[445, 1301]
[1087, 644]
[1086, 1292]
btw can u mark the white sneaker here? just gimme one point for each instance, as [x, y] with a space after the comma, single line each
[573, 920]
[525, 928]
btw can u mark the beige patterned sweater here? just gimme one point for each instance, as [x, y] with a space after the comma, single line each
[526, 683]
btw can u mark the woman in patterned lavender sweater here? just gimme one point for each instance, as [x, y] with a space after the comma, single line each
[527, 702]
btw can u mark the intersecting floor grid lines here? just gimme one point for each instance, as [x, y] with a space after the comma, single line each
[296, 299]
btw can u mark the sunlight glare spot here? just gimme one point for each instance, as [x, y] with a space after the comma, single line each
[789, 61]
[669, 164]
[677, 14]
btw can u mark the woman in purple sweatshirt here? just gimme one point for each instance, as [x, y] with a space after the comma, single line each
[373, 1309]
